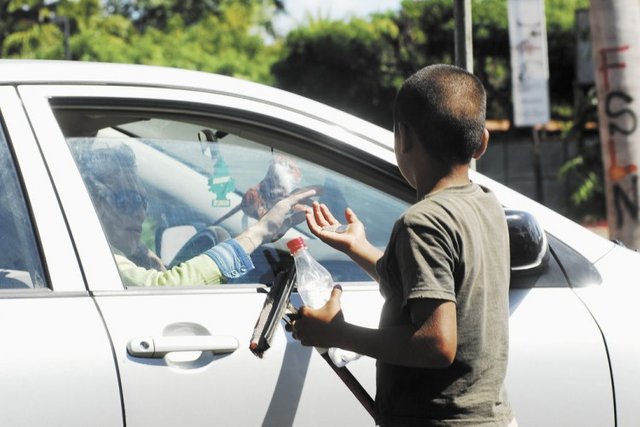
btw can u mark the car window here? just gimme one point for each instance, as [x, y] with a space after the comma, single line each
[165, 188]
[578, 270]
[20, 266]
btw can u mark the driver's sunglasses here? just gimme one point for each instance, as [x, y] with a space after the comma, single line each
[128, 202]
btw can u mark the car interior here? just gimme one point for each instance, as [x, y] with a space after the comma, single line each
[181, 223]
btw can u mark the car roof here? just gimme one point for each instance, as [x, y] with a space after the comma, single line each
[18, 71]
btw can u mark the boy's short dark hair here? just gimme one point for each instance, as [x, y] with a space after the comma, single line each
[445, 106]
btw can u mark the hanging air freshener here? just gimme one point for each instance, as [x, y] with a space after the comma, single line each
[220, 181]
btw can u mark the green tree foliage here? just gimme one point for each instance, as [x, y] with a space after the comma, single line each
[397, 44]
[222, 36]
[427, 31]
[351, 65]
[26, 29]
[355, 65]
[159, 13]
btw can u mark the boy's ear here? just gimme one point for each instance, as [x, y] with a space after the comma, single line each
[405, 133]
[483, 145]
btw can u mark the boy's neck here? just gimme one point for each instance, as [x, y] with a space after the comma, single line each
[457, 176]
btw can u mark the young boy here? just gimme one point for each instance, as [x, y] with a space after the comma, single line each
[442, 343]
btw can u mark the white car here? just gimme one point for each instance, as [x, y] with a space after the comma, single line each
[75, 339]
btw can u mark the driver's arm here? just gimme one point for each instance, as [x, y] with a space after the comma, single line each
[224, 261]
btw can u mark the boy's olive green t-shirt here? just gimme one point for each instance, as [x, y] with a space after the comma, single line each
[452, 245]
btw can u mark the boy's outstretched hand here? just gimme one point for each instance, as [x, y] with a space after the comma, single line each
[327, 228]
[350, 238]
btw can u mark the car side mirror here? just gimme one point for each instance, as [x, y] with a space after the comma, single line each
[528, 245]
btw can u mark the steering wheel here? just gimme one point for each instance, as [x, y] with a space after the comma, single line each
[203, 240]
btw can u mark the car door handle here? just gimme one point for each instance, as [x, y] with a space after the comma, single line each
[157, 347]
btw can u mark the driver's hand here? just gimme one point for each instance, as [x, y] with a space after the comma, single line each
[286, 213]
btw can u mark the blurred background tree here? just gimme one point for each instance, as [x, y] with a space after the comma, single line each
[356, 65]
[221, 36]
[350, 65]
[369, 59]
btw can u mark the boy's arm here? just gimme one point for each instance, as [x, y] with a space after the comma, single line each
[429, 342]
[366, 256]
[351, 240]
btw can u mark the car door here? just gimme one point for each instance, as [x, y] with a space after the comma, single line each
[56, 362]
[202, 371]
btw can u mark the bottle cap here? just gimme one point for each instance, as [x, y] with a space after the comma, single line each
[295, 244]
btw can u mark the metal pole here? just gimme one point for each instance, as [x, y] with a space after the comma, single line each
[463, 35]
[66, 33]
[537, 165]
[463, 40]
[63, 23]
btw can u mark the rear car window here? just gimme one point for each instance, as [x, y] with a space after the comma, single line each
[20, 266]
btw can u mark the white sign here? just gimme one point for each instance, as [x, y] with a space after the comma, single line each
[529, 62]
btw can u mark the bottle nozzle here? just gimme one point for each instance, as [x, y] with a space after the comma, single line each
[296, 244]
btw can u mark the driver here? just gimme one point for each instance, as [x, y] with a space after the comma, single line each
[111, 176]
